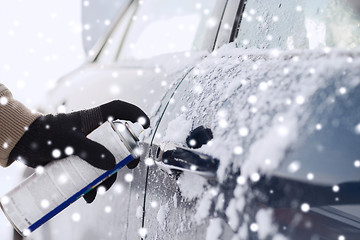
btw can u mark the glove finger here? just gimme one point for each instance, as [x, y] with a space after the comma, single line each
[93, 153]
[125, 111]
[109, 181]
[133, 164]
[90, 196]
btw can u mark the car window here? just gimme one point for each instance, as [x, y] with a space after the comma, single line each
[164, 26]
[96, 17]
[300, 24]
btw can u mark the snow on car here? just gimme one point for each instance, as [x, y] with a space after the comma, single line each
[254, 118]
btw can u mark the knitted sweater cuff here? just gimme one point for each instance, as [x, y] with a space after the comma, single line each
[15, 118]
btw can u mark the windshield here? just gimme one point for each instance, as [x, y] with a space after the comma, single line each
[166, 26]
[300, 24]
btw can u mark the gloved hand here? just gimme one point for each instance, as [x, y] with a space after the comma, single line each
[49, 136]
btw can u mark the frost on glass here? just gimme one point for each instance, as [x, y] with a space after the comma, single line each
[300, 24]
[97, 17]
[162, 26]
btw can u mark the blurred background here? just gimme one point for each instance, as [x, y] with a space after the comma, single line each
[40, 42]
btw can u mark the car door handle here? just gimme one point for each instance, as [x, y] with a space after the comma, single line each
[175, 159]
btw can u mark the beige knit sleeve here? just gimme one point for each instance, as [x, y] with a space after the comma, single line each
[14, 119]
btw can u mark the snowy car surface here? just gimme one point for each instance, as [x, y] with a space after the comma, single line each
[268, 90]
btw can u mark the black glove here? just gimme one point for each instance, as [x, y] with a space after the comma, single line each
[49, 136]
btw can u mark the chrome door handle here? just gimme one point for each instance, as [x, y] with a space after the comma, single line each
[174, 159]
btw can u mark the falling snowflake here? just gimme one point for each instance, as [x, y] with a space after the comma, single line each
[69, 151]
[56, 153]
[101, 190]
[44, 203]
[357, 163]
[143, 232]
[3, 100]
[129, 177]
[254, 227]
[305, 207]
[76, 217]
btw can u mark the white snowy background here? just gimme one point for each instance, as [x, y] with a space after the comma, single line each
[40, 42]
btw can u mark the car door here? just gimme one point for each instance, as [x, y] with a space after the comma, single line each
[170, 213]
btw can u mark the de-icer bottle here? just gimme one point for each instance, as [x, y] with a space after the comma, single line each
[54, 187]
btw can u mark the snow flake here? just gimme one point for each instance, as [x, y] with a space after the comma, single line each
[310, 176]
[129, 177]
[342, 90]
[252, 99]
[245, 42]
[349, 59]
[341, 237]
[143, 232]
[107, 209]
[39, 169]
[87, 26]
[142, 120]
[263, 86]
[76, 217]
[294, 166]
[154, 204]
[86, 3]
[254, 227]
[115, 74]
[305, 207]
[223, 123]
[275, 18]
[298, 8]
[260, 18]
[69, 150]
[56, 153]
[243, 131]
[241, 180]
[62, 179]
[300, 100]
[282, 131]
[269, 37]
[44, 203]
[114, 89]
[5, 200]
[336, 188]
[192, 142]
[101, 190]
[357, 163]
[238, 150]
[107, 22]
[149, 161]
[5, 145]
[357, 128]
[206, 11]
[3, 100]
[212, 22]
[318, 126]
[26, 232]
[118, 188]
[61, 109]
[255, 177]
